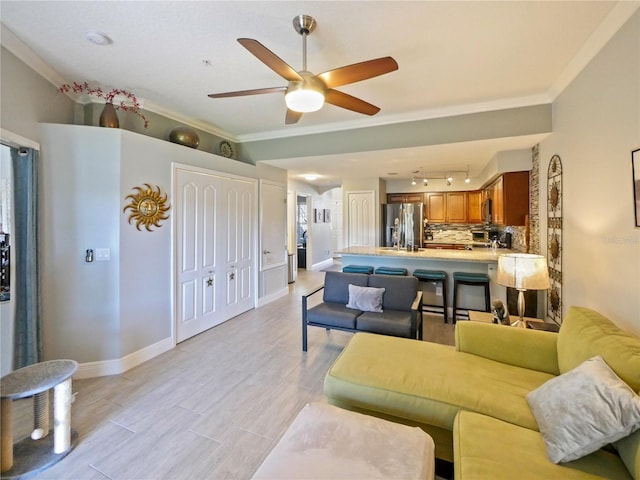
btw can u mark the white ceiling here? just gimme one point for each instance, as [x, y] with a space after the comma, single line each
[454, 57]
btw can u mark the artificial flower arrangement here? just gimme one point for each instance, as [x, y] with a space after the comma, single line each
[108, 97]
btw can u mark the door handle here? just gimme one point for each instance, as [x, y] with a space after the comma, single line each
[266, 252]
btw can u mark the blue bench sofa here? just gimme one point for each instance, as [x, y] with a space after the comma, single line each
[401, 314]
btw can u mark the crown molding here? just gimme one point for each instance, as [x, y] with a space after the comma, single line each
[13, 44]
[616, 18]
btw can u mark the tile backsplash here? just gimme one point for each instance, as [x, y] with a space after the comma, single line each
[457, 236]
[463, 235]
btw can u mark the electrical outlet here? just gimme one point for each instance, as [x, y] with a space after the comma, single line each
[438, 290]
[102, 254]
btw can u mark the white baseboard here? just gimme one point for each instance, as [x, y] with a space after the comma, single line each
[121, 365]
[322, 265]
[273, 296]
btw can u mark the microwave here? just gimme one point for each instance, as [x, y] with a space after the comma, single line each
[482, 237]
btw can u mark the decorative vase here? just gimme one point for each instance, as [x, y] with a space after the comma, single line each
[184, 136]
[109, 116]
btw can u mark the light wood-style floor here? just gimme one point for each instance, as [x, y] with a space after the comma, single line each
[213, 407]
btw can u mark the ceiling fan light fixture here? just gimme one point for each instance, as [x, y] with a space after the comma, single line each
[303, 98]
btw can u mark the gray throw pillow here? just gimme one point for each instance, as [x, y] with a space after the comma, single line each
[367, 299]
[583, 410]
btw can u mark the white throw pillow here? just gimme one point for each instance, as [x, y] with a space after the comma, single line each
[367, 299]
[583, 410]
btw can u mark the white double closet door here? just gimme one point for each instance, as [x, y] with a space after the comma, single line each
[215, 218]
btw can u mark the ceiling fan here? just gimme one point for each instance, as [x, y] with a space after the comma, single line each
[307, 92]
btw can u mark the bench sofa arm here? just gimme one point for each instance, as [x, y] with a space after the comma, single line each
[520, 347]
[417, 302]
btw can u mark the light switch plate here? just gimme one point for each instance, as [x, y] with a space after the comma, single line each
[102, 254]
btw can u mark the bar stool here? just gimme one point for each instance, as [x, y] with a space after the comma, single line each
[358, 269]
[391, 271]
[474, 280]
[434, 276]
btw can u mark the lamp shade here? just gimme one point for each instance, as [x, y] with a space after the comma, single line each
[523, 271]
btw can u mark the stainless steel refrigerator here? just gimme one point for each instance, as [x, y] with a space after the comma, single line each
[401, 225]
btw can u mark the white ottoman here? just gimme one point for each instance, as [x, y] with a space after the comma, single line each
[326, 442]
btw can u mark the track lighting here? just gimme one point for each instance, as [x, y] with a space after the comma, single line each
[444, 176]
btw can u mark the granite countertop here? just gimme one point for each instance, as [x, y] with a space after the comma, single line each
[484, 255]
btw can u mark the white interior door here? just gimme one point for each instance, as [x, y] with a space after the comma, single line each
[273, 244]
[214, 249]
[361, 219]
[239, 247]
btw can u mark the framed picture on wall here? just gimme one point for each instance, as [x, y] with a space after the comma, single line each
[327, 215]
[317, 213]
[635, 163]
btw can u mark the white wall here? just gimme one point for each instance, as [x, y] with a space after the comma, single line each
[101, 311]
[596, 123]
[320, 243]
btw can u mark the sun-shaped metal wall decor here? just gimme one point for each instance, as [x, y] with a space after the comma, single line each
[148, 207]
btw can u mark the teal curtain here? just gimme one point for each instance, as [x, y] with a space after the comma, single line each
[27, 346]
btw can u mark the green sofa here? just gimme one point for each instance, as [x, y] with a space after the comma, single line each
[471, 398]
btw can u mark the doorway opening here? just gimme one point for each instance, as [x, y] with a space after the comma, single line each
[302, 229]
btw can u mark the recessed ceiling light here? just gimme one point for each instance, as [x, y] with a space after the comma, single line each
[310, 178]
[98, 38]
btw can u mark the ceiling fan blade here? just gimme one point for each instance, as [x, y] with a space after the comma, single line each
[344, 100]
[242, 93]
[270, 59]
[292, 117]
[358, 71]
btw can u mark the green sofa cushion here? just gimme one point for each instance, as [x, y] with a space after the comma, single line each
[585, 333]
[487, 448]
[629, 450]
[417, 381]
[521, 347]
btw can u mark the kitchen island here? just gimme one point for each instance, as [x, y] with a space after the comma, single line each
[476, 260]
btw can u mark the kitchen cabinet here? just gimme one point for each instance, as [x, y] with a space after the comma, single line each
[509, 195]
[446, 207]
[457, 207]
[405, 198]
[436, 203]
[474, 206]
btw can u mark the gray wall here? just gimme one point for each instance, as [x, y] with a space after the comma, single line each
[596, 126]
[28, 99]
[460, 128]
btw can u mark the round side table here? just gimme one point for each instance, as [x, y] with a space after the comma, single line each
[39, 452]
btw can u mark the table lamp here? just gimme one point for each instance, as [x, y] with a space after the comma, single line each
[522, 271]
